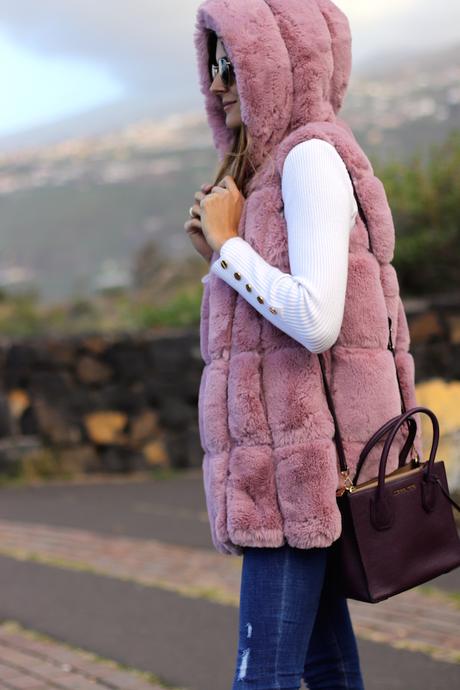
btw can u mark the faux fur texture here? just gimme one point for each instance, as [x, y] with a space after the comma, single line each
[270, 466]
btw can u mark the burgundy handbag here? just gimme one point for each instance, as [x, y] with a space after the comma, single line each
[398, 530]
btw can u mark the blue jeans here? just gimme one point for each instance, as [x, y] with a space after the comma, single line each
[293, 623]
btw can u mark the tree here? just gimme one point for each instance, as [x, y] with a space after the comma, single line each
[425, 203]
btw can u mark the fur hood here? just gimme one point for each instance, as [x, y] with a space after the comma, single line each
[292, 61]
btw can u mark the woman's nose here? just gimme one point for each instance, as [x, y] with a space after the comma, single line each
[217, 84]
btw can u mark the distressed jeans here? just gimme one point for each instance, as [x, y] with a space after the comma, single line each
[293, 623]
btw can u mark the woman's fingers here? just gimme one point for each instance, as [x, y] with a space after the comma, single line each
[196, 208]
[194, 223]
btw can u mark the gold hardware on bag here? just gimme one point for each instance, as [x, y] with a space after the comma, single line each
[399, 472]
[348, 484]
[415, 458]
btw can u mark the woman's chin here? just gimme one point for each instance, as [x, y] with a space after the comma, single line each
[232, 122]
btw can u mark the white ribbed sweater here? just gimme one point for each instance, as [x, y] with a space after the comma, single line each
[320, 210]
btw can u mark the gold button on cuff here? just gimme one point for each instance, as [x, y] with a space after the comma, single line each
[260, 299]
[272, 309]
[237, 275]
[248, 287]
[223, 263]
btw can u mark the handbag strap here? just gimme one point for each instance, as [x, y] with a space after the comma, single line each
[446, 493]
[337, 435]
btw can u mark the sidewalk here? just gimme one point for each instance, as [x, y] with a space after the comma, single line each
[422, 619]
[128, 571]
[35, 662]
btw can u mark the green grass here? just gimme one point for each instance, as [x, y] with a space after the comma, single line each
[182, 310]
[23, 316]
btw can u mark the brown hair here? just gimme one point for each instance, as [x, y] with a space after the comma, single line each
[237, 161]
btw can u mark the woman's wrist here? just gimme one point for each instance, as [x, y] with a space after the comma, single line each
[229, 237]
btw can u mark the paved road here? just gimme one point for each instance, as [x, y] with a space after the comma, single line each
[170, 510]
[188, 642]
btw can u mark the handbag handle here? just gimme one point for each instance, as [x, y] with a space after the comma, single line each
[381, 502]
[389, 440]
[378, 435]
[337, 435]
[394, 424]
[429, 475]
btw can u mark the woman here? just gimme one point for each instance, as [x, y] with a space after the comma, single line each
[294, 272]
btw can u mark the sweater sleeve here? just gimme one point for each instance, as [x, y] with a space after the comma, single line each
[320, 210]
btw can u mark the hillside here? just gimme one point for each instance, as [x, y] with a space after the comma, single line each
[69, 207]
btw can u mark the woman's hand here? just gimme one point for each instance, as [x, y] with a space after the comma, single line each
[193, 225]
[221, 212]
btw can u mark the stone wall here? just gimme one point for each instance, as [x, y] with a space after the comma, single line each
[434, 325]
[129, 402]
[105, 403]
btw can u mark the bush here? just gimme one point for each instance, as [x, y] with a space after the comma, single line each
[425, 201]
[182, 310]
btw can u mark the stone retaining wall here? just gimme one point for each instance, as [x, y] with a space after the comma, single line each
[105, 403]
[129, 402]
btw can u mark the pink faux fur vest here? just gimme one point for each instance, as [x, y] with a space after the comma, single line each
[270, 465]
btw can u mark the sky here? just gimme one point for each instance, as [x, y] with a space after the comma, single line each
[59, 59]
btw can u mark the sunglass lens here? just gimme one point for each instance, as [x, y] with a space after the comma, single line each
[230, 74]
[225, 70]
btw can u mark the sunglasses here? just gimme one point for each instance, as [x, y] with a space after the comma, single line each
[225, 68]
